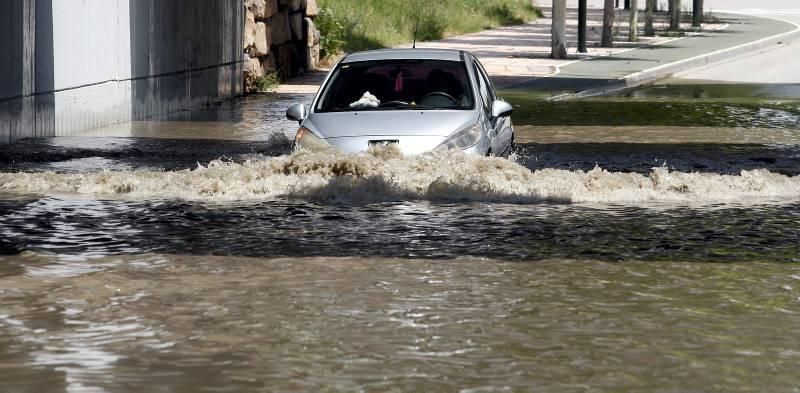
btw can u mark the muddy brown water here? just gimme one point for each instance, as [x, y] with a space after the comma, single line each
[603, 258]
[158, 322]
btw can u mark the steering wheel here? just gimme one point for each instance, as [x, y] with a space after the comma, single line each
[439, 94]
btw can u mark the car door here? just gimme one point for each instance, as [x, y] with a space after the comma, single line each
[501, 127]
[485, 105]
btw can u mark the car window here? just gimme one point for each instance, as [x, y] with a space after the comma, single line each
[397, 85]
[483, 88]
[488, 82]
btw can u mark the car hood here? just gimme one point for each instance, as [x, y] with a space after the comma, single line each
[389, 123]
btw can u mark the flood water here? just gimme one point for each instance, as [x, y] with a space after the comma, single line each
[655, 253]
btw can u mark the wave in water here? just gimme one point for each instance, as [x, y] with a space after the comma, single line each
[385, 175]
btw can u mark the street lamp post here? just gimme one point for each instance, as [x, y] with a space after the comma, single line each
[582, 26]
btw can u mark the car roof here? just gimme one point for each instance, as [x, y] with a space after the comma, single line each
[405, 54]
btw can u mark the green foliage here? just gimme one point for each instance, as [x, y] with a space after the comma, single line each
[431, 28]
[331, 31]
[372, 24]
[671, 33]
[268, 82]
[503, 15]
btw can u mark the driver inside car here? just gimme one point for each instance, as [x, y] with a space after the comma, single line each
[442, 90]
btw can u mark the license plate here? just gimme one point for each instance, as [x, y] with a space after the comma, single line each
[385, 142]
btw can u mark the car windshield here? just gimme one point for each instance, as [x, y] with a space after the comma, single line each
[397, 85]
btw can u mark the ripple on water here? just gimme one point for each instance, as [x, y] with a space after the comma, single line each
[87, 227]
[239, 324]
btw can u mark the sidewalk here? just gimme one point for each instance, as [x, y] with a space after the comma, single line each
[516, 54]
[517, 57]
[594, 76]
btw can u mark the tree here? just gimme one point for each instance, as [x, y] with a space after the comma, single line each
[697, 13]
[633, 32]
[648, 18]
[675, 15]
[582, 13]
[559, 30]
[608, 24]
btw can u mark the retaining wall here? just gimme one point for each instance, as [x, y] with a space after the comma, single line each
[279, 36]
[67, 66]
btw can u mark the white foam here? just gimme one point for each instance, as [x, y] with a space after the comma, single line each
[384, 174]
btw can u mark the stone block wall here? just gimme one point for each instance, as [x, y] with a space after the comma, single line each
[279, 35]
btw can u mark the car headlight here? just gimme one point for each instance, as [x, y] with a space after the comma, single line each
[463, 139]
[307, 140]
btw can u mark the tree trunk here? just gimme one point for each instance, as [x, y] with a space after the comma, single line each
[559, 30]
[633, 32]
[608, 24]
[675, 15]
[582, 12]
[648, 18]
[697, 13]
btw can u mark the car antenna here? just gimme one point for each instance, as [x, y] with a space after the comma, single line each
[416, 28]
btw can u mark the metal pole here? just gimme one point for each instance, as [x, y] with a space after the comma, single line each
[697, 13]
[582, 26]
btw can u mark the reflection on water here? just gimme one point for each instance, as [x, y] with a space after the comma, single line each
[188, 324]
[249, 118]
[688, 89]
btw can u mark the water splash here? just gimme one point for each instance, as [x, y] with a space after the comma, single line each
[384, 174]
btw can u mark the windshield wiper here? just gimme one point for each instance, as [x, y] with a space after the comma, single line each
[405, 105]
[395, 104]
[391, 105]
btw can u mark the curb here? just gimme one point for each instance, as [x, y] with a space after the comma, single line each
[653, 74]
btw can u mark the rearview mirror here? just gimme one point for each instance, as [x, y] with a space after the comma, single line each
[296, 112]
[501, 109]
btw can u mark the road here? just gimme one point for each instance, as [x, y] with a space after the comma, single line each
[775, 65]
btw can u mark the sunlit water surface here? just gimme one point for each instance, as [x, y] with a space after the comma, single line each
[652, 257]
[159, 322]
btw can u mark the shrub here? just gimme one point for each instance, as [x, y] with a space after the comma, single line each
[431, 27]
[331, 30]
[268, 82]
[503, 15]
[354, 25]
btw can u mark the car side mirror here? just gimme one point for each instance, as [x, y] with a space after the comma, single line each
[296, 112]
[501, 109]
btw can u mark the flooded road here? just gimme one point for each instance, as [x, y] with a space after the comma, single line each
[232, 324]
[628, 245]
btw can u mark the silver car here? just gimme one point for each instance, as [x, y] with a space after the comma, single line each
[419, 99]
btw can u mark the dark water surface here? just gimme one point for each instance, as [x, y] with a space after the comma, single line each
[86, 226]
[113, 291]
